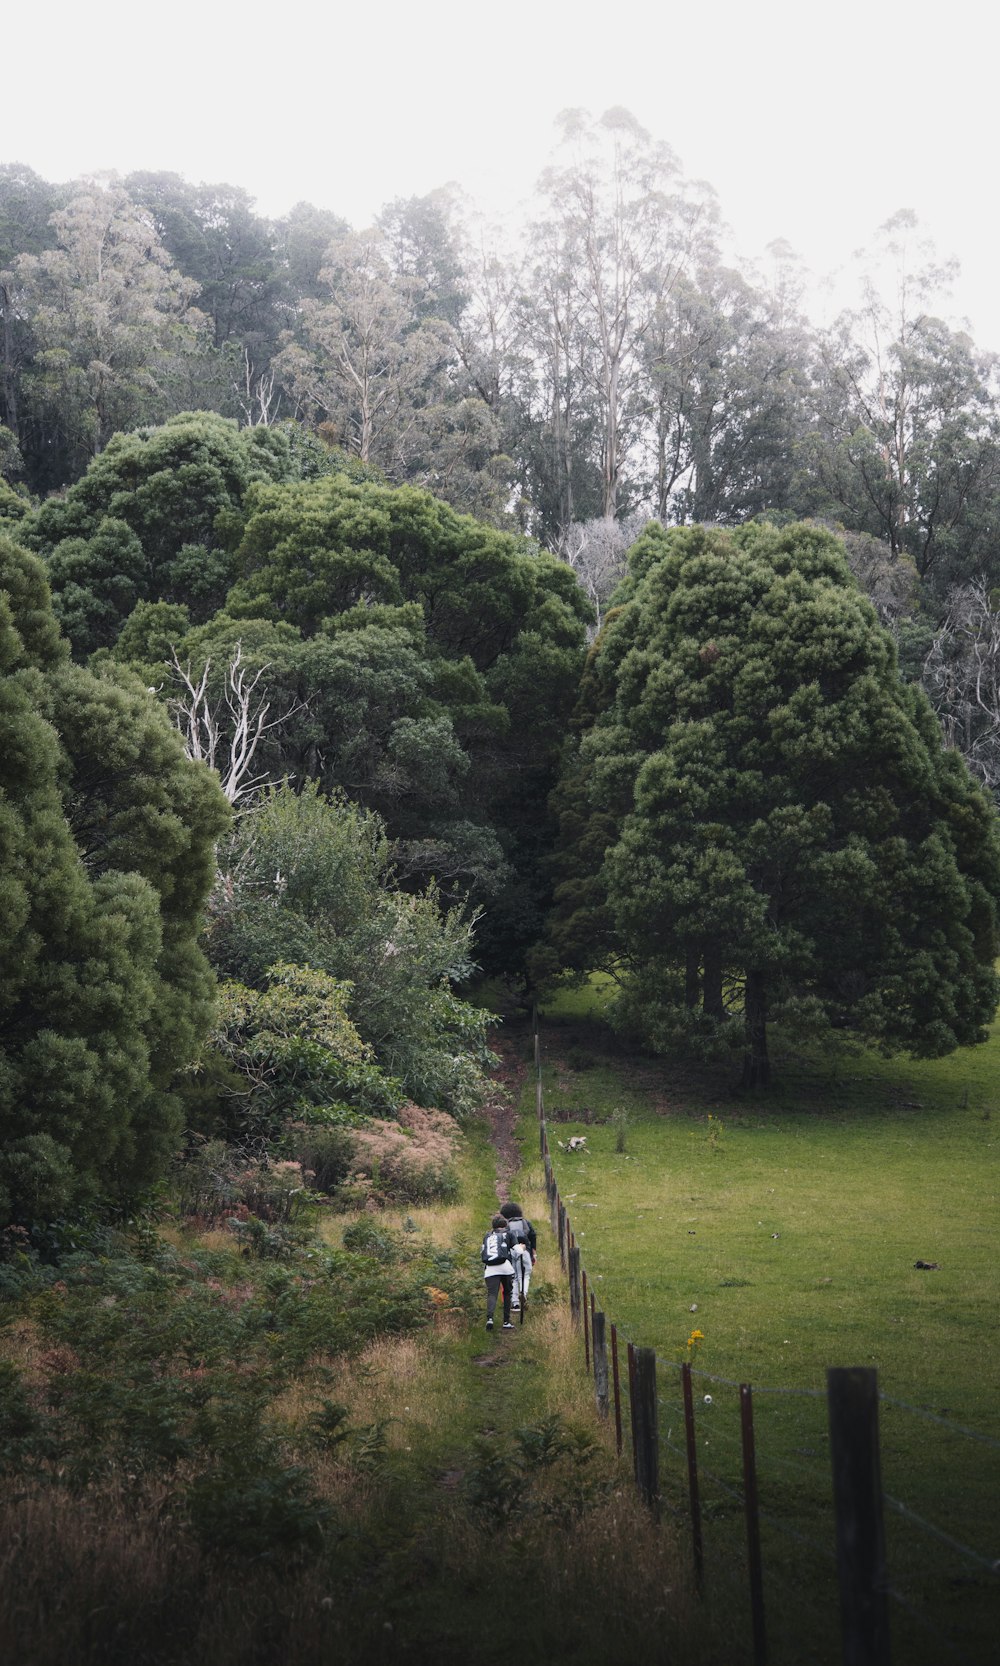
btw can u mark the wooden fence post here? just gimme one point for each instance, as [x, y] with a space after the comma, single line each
[600, 1364]
[586, 1318]
[632, 1414]
[574, 1285]
[561, 1228]
[753, 1527]
[648, 1433]
[539, 1107]
[616, 1380]
[852, 1402]
[692, 1458]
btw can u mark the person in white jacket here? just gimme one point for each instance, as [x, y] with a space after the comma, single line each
[498, 1270]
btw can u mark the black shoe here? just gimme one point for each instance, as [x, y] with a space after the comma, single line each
[489, 1324]
[506, 1325]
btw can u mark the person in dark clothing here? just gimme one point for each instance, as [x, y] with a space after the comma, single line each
[498, 1270]
[523, 1243]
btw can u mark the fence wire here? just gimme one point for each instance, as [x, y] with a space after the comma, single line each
[718, 1438]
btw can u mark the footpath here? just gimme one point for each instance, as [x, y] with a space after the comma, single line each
[529, 1533]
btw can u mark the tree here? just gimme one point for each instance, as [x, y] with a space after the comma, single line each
[309, 879]
[157, 517]
[962, 677]
[444, 658]
[26, 206]
[364, 356]
[726, 370]
[107, 839]
[907, 442]
[789, 832]
[112, 317]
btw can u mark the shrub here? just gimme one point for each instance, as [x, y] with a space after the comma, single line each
[219, 1182]
[324, 1153]
[409, 1161]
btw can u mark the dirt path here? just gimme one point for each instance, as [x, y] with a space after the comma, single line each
[500, 1111]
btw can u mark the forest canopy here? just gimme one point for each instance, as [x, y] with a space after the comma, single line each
[311, 526]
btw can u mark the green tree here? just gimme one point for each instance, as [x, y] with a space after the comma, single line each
[112, 318]
[790, 834]
[487, 648]
[106, 856]
[906, 443]
[309, 880]
[157, 517]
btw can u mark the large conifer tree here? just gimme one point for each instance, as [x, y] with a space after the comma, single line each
[106, 855]
[790, 835]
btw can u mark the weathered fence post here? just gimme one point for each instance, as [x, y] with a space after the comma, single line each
[539, 1107]
[586, 1319]
[561, 1229]
[632, 1414]
[852, 1403]
[600, 1363]
[616, 1380]
[574, 1285]
[648, 1433]
[753, 1527]
[692, 1458]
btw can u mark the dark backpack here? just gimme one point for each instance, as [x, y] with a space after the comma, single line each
[496, 1248]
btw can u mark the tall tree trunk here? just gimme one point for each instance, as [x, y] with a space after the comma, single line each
[756, 1065]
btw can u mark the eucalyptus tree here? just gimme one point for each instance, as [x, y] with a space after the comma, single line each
[27, 204]
[907, 442]
[961, 674]
[112, 319]
[363, 363]
[727, 372]
[618, 228]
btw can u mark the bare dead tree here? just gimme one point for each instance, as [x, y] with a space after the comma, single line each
[225, 730]
[596, 550]
[256, 397]
[962, 677]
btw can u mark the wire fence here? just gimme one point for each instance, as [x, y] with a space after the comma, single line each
[792, 1530]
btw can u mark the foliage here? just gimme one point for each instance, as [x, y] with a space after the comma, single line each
[408, 1161]
[296, 1052]
[152, 519]
[308, 879]
[106, 856]
[787, 826]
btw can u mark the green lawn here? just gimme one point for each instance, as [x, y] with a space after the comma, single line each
[786, 1229]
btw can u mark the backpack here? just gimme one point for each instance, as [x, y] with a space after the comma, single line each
[518, 1230]
[496, 1248]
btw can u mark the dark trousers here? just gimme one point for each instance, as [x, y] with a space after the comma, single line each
[493, 1290]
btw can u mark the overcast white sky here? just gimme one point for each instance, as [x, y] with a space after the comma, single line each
[813, 123]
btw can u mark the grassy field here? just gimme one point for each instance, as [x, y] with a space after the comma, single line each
[786, 1230]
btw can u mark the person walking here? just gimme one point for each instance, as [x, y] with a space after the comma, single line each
[523, 1247]
[498, 1270]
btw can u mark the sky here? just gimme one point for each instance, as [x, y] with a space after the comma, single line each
[813, 123]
